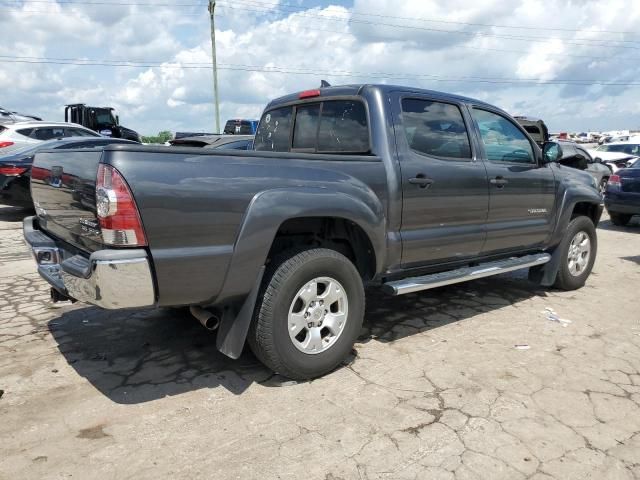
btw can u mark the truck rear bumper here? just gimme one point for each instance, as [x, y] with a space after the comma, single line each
[110, 279]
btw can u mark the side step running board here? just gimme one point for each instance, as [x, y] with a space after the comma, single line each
[425, 282]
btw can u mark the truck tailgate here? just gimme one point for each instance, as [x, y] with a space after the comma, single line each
[63, 190]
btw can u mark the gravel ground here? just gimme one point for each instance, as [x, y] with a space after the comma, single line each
[435, 389]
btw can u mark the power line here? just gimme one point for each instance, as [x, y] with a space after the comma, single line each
[532, 39]
[290, 6]
[379, 75]
[275, 68]
[455, 46]
[281, 6]
[233, 6]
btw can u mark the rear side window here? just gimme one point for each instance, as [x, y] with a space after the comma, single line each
[435, 128]
[25, 131]
[273, 131]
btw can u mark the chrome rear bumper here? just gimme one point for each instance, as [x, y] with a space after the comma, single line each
[110, 279]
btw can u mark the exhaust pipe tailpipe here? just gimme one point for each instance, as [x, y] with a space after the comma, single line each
[208, 319]
[56, 297]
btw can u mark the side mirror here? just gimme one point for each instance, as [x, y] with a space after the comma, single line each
[117, 120]
[551, 152]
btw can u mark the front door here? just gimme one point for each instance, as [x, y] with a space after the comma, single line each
[444, 185]
[522, 190]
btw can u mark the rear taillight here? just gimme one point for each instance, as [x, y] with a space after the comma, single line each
[117, 211]
[12, 170]
[614, 181]
[5, 143]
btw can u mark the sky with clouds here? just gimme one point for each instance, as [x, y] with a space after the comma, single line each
[542, 58]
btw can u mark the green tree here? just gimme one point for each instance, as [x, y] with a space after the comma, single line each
[162, 137]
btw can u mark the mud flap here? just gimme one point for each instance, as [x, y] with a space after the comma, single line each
[545, 275]
[233, 329]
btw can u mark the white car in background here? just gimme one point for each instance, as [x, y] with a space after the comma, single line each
[618, 154]
[14, 136]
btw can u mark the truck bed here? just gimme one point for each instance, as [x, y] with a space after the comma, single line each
[192, 202]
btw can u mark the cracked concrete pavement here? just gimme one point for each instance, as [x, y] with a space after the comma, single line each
[435, 388]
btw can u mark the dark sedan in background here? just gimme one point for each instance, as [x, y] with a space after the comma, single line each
[224, 142]
[15, 168]
[622, 198]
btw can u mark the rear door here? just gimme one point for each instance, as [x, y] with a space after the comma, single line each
[444, 184]
[521, 189]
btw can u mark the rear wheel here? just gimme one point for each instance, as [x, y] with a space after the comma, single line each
[577, 252]
[619, 219]
[309, 315]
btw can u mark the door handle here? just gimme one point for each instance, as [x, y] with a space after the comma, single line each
[499, 181]
[421, 180]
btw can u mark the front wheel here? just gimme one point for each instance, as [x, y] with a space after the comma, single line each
[309, 315]
[577, 252]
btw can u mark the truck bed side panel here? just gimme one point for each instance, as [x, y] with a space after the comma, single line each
[193, 204]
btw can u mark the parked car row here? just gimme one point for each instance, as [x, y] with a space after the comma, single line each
[622, 197]
[15, 168]
[9, 116]
[618, 155]
[17, 135]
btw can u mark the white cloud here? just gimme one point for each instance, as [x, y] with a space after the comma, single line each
[359, 37]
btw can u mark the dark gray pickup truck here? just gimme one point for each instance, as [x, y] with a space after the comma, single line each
[351, 186]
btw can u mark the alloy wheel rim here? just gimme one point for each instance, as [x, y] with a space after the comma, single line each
[317, 315]
[579, 253]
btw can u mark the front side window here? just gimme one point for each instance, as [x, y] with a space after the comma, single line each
[273, 131]
[435, 128]
[503, 141]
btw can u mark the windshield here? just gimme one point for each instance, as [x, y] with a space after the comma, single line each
[630, 148]
[105, 117]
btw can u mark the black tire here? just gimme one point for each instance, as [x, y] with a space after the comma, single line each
[619, 219]
[269, 336]
[603, 185]
[565, 280]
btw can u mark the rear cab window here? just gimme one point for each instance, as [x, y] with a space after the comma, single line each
[323, 126]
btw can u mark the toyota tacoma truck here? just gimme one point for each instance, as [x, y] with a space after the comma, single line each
[350, 186]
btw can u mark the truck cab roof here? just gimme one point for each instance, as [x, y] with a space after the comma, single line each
[360, 89]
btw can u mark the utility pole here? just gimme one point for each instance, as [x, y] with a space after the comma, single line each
[212, 6]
